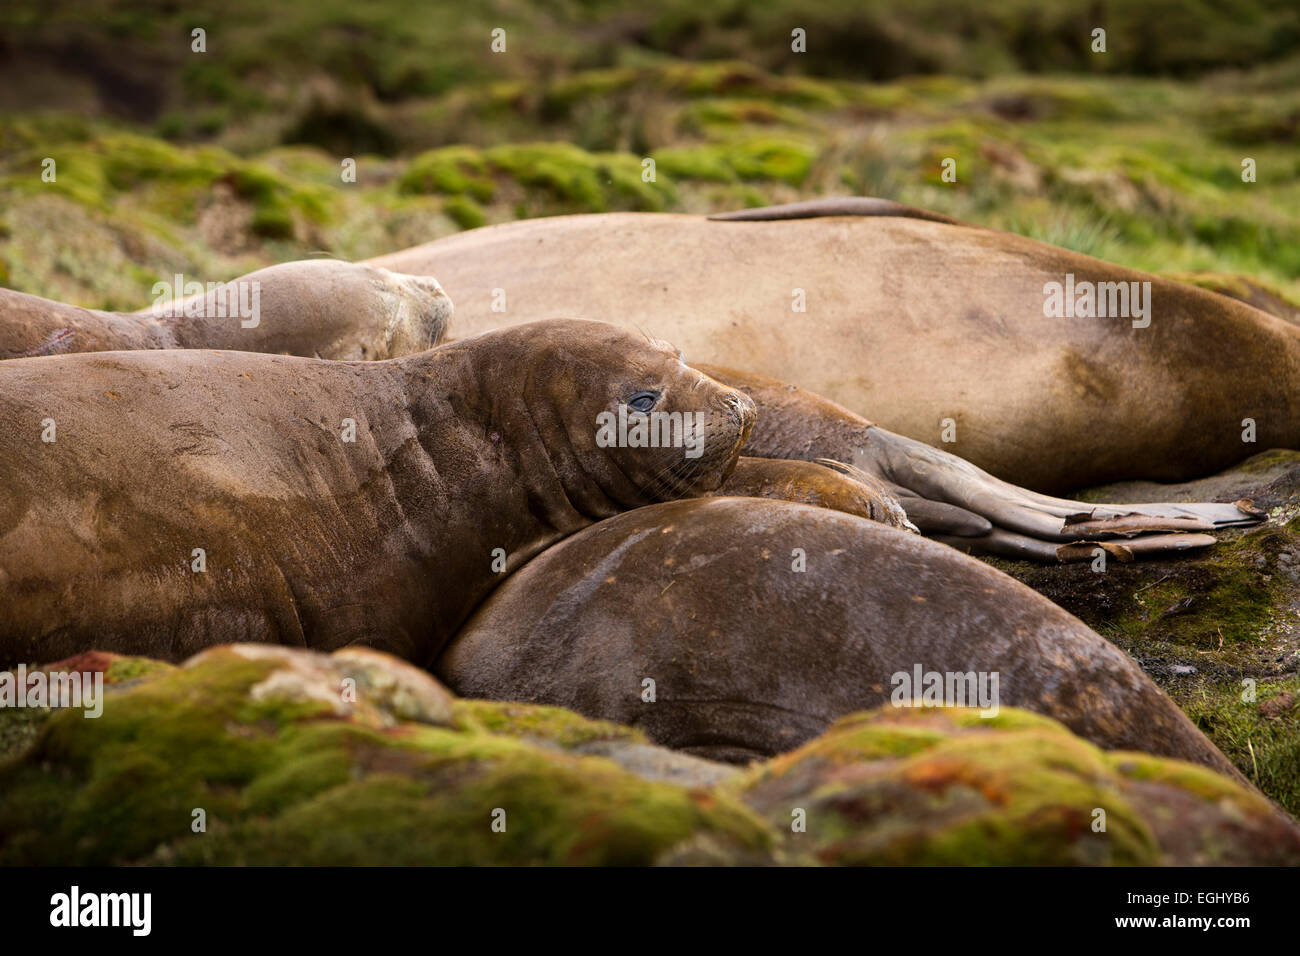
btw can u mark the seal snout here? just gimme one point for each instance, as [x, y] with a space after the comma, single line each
[741, 413]
[422, 313]
[729, 429]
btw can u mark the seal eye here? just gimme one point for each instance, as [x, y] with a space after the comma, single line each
[643, 401]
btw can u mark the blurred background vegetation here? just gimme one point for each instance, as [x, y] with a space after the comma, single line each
[219, 162]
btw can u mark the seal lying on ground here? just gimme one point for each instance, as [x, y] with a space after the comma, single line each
[160, 502]
[911, 323]
[760, 622]
[320, 307]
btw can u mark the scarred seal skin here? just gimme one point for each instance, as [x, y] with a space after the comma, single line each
[911, 322]
[190, 498]
[319, 308]
[750, 656]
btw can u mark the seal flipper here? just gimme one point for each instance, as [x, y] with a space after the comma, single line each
[936, 475]
[1008, 544]
[1212, 514]
[823, 483]
[836, 206]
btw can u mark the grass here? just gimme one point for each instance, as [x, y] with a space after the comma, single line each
[1142, 171]
[1265, 748]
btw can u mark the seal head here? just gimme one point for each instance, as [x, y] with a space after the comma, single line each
[619, 419]
[316, 308]
[420, 310]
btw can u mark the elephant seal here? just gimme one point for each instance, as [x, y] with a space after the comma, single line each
[914, 323]
[751, 656]
[187, 498]
[319, 308]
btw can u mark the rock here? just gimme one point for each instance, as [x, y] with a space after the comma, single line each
[248, 754]
[19, 726]
[946, 787]
[356, 682]
[625, 746]
[1279, 705]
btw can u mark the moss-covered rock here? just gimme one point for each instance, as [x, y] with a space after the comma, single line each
[19, 726]
[452, 170]
[745, 159]
[947, 787]
[255, 754]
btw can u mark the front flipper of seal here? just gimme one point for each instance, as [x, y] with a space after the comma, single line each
[823, 484]
[950, 499]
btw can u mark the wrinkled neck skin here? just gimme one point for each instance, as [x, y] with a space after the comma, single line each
[487, 471]
[31, 326]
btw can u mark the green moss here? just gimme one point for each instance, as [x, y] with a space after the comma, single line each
[464, 212]
[534, 721]
[19, 726]
[725, 116]
[281, 774]
[564, 93]
[286, 779]
[272, 221]
[275, 201]
[1268, 460]
[749, 159]
[1203, 782]
[1234, 598]
[1144, 172]
[735, 78]
[452, 170]
[590, 182]
[945, 787]
[1250, 120]
[948, 787]
[771, 159]
[124, 669]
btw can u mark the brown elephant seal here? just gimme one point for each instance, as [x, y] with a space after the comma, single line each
[950, 499]
[914, 323]
[750, 656]
[319, 308]
[190, 498]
